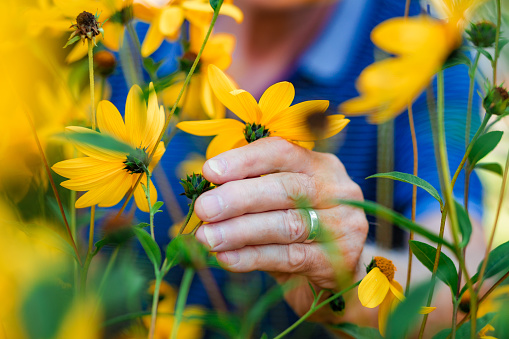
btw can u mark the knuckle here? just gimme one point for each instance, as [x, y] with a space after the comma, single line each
[298, 187]
[294, 226]
[297, 258]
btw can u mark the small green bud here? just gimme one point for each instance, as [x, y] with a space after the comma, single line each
[253, 132]
[195, 185]
[482, 34]
[496, 101]
[137, 161]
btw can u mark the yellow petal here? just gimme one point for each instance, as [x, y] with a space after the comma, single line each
[155, 119]
[373, 288]
[275, 99]
[211, 127]
[222, 87]
[248, 104]
[78, 52]
[426, 310]
[143, 12]
[218, 50]
[118, 192]
[113, 35]
[94, 151]
[172, 18]
[213, 107]
[136, 116]
[225, 142]
[153, 39]
[93, 180]
[306, 144]
[397, 290]
[141, 198]
[384, 311]
[157, 156]
[82, 166]
[103, 192]
[110, 121]
[200, 13]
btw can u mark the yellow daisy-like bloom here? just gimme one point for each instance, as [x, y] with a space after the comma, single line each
[271, 116]
[198, 97]
[58, 16]
[166, 20]
[378, 288]
[420, 45]
[106, 174]
[188, 328]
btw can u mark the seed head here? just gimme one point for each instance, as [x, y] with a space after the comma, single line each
[137, 161]
[86, 27]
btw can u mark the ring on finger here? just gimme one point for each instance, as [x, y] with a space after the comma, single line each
[314, 225]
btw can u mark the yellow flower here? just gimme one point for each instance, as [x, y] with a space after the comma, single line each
[166, 20]
[190, 326]
[485, 330]
[378, 288]
[58, 16]
[104, 173]
[420, 45]
[198, 97]
[271, 116]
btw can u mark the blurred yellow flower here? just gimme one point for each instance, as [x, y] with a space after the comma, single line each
[198, 97]
[167, 19]
[420, 45]
[188, 328]
[271, 116]
[483, 332]
[378, 288]
[58, 16]
[105, 174]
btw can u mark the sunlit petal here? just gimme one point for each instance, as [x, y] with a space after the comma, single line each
[110, 121]
[373, 288]
[153, 39]
[275, 99]
[211, 127]
[93, 151]
[224, 142]
[136, 116]
[141, 198]
[171, 19]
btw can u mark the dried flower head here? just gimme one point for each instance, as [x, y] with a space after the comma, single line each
[87, 26]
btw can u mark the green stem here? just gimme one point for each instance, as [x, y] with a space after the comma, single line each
[147, 194]
[107, 271]
[497, 38]
[155, 301]
[434, 273]
[414, 189]
[91, 76]
[316, 308]
[175, 105]
[181, 300]
[471, 74]
[84, 273]
[189, 214]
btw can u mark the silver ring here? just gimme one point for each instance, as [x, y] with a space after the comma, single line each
[314, 228]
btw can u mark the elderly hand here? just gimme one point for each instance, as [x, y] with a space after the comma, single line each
[255, 223]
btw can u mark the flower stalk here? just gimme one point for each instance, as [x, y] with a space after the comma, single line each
[181, 300]
[414, 191]
[189, 214]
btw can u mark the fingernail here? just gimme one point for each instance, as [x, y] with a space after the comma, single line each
[232, 257]
[213, 235]
[218, 166]
[212, 205]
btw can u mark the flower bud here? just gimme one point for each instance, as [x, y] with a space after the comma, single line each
[253, 132]
[496, 101]
[195, 185]
[482, 34]
[104, 63]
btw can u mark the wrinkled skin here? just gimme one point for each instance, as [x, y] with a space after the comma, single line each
[255, 223]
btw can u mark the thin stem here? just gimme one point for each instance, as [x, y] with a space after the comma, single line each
[213, 291]
[91, 232]
[316, 308]
[107, 271]
[91, 76]
[414, 188]
[189, 214]
[53, 186]
[407, 8]
[497, 38]
[434, 273]
[175, 105]
[155, 301]
[492, 236]
[181, 300]
[470, 98]
[84, 273]
[147, 194]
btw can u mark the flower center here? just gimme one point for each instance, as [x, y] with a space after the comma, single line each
[385, 265]
[137, 161]
[253, 132]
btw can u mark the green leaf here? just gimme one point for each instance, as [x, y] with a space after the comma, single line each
[100, 140]
[464, 330]
[491, 166]
[156, 206]
[483, 146]
[501, 44]
[457, 57]
[485, 53]
[215, 4]
[498, 261]
[71, 41]
[188, 251]
[355, 331]
[446, 270]
[411, 179]
[142, 225]
[464, 224]
[407, 312]
[149, 245]
[398, 219]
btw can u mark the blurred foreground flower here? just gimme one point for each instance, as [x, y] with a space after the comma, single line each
[271, 116]
[378, 288]
[191, 325]
[166, 20]
[198, 97]
[108, 175]
[421, 45]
